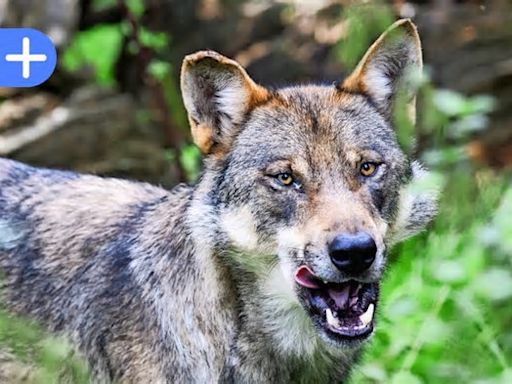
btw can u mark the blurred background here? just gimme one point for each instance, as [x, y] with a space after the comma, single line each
[113, 107]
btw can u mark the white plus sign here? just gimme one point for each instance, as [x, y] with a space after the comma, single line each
[26, 58]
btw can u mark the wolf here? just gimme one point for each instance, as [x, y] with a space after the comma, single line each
[267, 270]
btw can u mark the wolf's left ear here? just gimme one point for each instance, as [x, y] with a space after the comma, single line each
[218, 94]
[386, 67]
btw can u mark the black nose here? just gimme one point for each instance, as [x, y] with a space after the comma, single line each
[353, 253]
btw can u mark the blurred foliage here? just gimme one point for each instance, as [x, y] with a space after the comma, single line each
[162, 72]
[98, 47]
[40, 359]
[366, 23]
[103, 4]
[448, 119]
[191, 160]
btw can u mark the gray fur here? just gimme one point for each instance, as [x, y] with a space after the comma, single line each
[196, 284]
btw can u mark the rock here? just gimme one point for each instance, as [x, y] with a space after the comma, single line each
[93, 130]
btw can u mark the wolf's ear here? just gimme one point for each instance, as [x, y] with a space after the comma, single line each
[217, 93]
[386, 67]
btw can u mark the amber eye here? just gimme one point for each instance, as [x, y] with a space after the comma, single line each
[285, 179]
[368, 169]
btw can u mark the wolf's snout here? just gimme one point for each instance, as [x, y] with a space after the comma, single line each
[353, 253]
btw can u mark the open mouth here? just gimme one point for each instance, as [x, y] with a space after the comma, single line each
[345, 310]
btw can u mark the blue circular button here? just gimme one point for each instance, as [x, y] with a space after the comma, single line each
[27, 57]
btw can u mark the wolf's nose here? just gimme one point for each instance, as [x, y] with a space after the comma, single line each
[353, 253]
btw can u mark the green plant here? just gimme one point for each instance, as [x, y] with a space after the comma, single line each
[99, 48]
[46, 359]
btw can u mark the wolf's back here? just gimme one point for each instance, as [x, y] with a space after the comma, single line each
[59, 208]
[62, 234]
[86, 255]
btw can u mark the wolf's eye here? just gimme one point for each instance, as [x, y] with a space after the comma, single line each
[368, 168]
[285, 179]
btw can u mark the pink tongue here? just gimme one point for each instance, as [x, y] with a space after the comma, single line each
[340, 295]
[306, 278]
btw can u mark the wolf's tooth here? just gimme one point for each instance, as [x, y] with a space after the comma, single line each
[367, 317]
[331, 320]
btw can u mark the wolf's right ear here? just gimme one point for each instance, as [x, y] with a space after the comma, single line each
[218, 94]
[385, 69]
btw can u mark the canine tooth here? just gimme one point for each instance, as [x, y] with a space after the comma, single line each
[367, 317]
[331, 320]
[356, 290]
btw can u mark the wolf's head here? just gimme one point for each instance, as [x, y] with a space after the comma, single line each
[309, 184]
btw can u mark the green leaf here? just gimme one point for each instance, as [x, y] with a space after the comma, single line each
[160, 70]
[494, 284]
[445, 157]
[190, 160]
[154, 40]
[482, 104]
[364, 24]
[405, 378]
[449, 102]
[448, 271]
[467, 125]
[98, 47]
[400, 308]
[504, 377]
[498, 233]
[136, 7]
[455, 104]
[374, 371]
[99, 5]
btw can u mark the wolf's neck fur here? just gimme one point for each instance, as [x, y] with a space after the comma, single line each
[273, 335]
